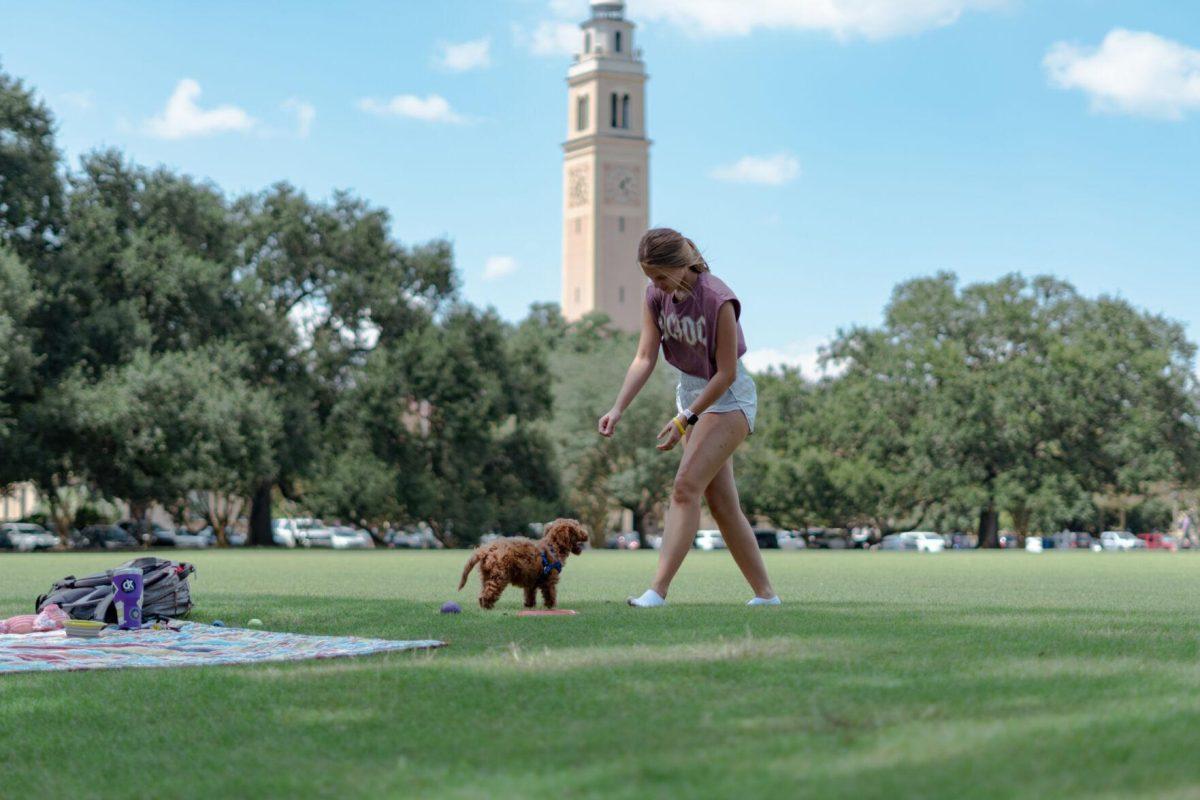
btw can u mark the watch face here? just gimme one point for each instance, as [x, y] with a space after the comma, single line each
[577, 186]
[622, 184]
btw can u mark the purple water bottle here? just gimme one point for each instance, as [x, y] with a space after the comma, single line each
[128, 583]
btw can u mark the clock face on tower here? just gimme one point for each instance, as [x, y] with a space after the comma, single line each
[623, 184]
[577, 186]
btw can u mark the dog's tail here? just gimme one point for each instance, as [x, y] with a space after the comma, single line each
[471, 562]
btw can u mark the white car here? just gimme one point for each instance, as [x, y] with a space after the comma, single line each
[791, 540]
[185, 539]
[1120, 540]
[299, 532]
[920, 541]
[709, 539]
[27, 536]
[350, 539]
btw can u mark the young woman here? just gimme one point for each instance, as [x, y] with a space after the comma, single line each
[694, 317]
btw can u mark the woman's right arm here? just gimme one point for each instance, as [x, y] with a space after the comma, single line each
[638, 373]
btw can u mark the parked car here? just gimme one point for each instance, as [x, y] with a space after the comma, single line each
[106, 537]
[317, 536]
[895, 541]
[791, 540]
[151, 534]
[1084, 540]
[347, 538]
[185, 538]
[917, 541]
[962, 541]
[767, 539]
[708, 539]
[232, 537]
[827, 538]
[863, 537]
[5, 542]
[425, 540]
[27, 536]
[1120, 540]
[294, 531]
[1059, 541]
[1159, 541]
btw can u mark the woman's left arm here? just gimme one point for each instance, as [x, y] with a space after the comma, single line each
[719, 383]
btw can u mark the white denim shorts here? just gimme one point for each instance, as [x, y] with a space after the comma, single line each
[741, 396]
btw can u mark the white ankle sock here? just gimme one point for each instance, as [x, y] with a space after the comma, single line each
[766, 601]
[649, 599]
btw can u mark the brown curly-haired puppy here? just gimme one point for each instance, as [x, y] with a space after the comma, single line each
[526, 563]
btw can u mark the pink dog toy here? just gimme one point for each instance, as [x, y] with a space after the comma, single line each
[51, 618]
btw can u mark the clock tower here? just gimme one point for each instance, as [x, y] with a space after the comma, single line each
[605, 171]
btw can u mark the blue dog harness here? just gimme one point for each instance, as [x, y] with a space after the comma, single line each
[549, 566]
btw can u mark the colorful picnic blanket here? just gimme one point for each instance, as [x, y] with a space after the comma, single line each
[192, 644]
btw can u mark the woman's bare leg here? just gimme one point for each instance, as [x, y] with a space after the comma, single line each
[709, 445]
[726, 509]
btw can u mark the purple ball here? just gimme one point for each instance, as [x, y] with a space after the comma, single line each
[451, 607]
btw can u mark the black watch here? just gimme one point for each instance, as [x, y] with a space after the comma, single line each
[693, 419]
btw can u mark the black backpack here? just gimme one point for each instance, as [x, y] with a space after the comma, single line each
[165, 593]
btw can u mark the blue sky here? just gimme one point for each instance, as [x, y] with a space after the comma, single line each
[819, 152]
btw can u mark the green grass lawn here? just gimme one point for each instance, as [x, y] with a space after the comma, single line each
[884, 675]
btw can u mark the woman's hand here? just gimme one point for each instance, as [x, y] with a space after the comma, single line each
[608, 423]
[670, 436]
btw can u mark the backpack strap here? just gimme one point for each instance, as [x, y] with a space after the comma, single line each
[100, 614]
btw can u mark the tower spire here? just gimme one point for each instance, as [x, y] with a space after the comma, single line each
[605, 171]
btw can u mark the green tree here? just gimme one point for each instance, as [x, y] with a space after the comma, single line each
[18, 360]
[438, 426]
[31, 197]
[166, 425]
[332, 287]
[1018, 394]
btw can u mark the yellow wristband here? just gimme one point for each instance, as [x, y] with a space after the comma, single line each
[678, 424]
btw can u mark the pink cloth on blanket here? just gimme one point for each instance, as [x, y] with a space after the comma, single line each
[51, 618]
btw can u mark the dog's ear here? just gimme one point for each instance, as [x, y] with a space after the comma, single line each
[560, 533]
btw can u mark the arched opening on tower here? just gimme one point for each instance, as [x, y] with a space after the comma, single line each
[625, 111]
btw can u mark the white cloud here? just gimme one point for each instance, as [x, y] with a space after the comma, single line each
[804, 354]
[773, 170]
[475, 54]
[1131, 72]
[183, 118]
[845, 19]
[82, 101]
[433, 108]
[305, 114]
[499, 267]
[550, 39]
